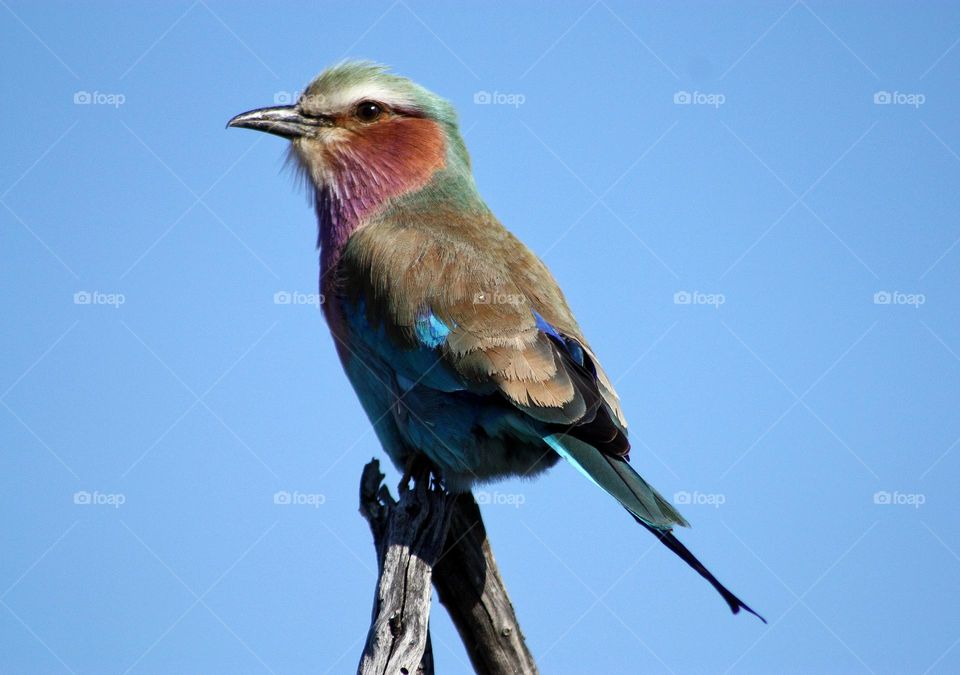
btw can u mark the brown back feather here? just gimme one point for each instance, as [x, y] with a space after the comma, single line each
[480, 280]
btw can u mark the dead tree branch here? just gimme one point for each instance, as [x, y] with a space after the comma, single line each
[427, 536]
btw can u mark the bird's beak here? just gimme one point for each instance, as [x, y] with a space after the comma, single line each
[284, 120]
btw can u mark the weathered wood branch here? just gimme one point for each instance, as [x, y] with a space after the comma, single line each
[430, 535]
[409, 535]
[471, 588]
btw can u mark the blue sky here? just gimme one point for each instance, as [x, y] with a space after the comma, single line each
[751, 208]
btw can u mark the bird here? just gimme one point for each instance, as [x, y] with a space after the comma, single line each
[456, 338]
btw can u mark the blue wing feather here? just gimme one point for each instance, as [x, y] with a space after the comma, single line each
[571, 346]
[422, 365]
[431, 331]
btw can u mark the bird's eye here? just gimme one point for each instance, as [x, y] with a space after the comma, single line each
[368, 111]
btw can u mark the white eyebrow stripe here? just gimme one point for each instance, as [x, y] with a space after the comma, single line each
[347, 98]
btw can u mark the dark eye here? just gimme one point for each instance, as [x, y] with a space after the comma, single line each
[368, 111]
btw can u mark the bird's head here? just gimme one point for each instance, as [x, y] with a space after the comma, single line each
[365, 135]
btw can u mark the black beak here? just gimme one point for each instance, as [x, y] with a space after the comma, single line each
[284, 120]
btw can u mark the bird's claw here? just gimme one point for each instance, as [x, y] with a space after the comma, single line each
[419, 469]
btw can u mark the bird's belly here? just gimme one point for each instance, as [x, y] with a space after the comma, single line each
[470, 438]
[419, 406]
[374, 385]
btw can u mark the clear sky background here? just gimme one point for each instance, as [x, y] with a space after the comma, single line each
[779, 163]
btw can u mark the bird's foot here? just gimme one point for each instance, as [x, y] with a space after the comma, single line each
[418, 469]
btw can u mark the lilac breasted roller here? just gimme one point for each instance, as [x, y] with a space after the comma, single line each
[455, 336]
